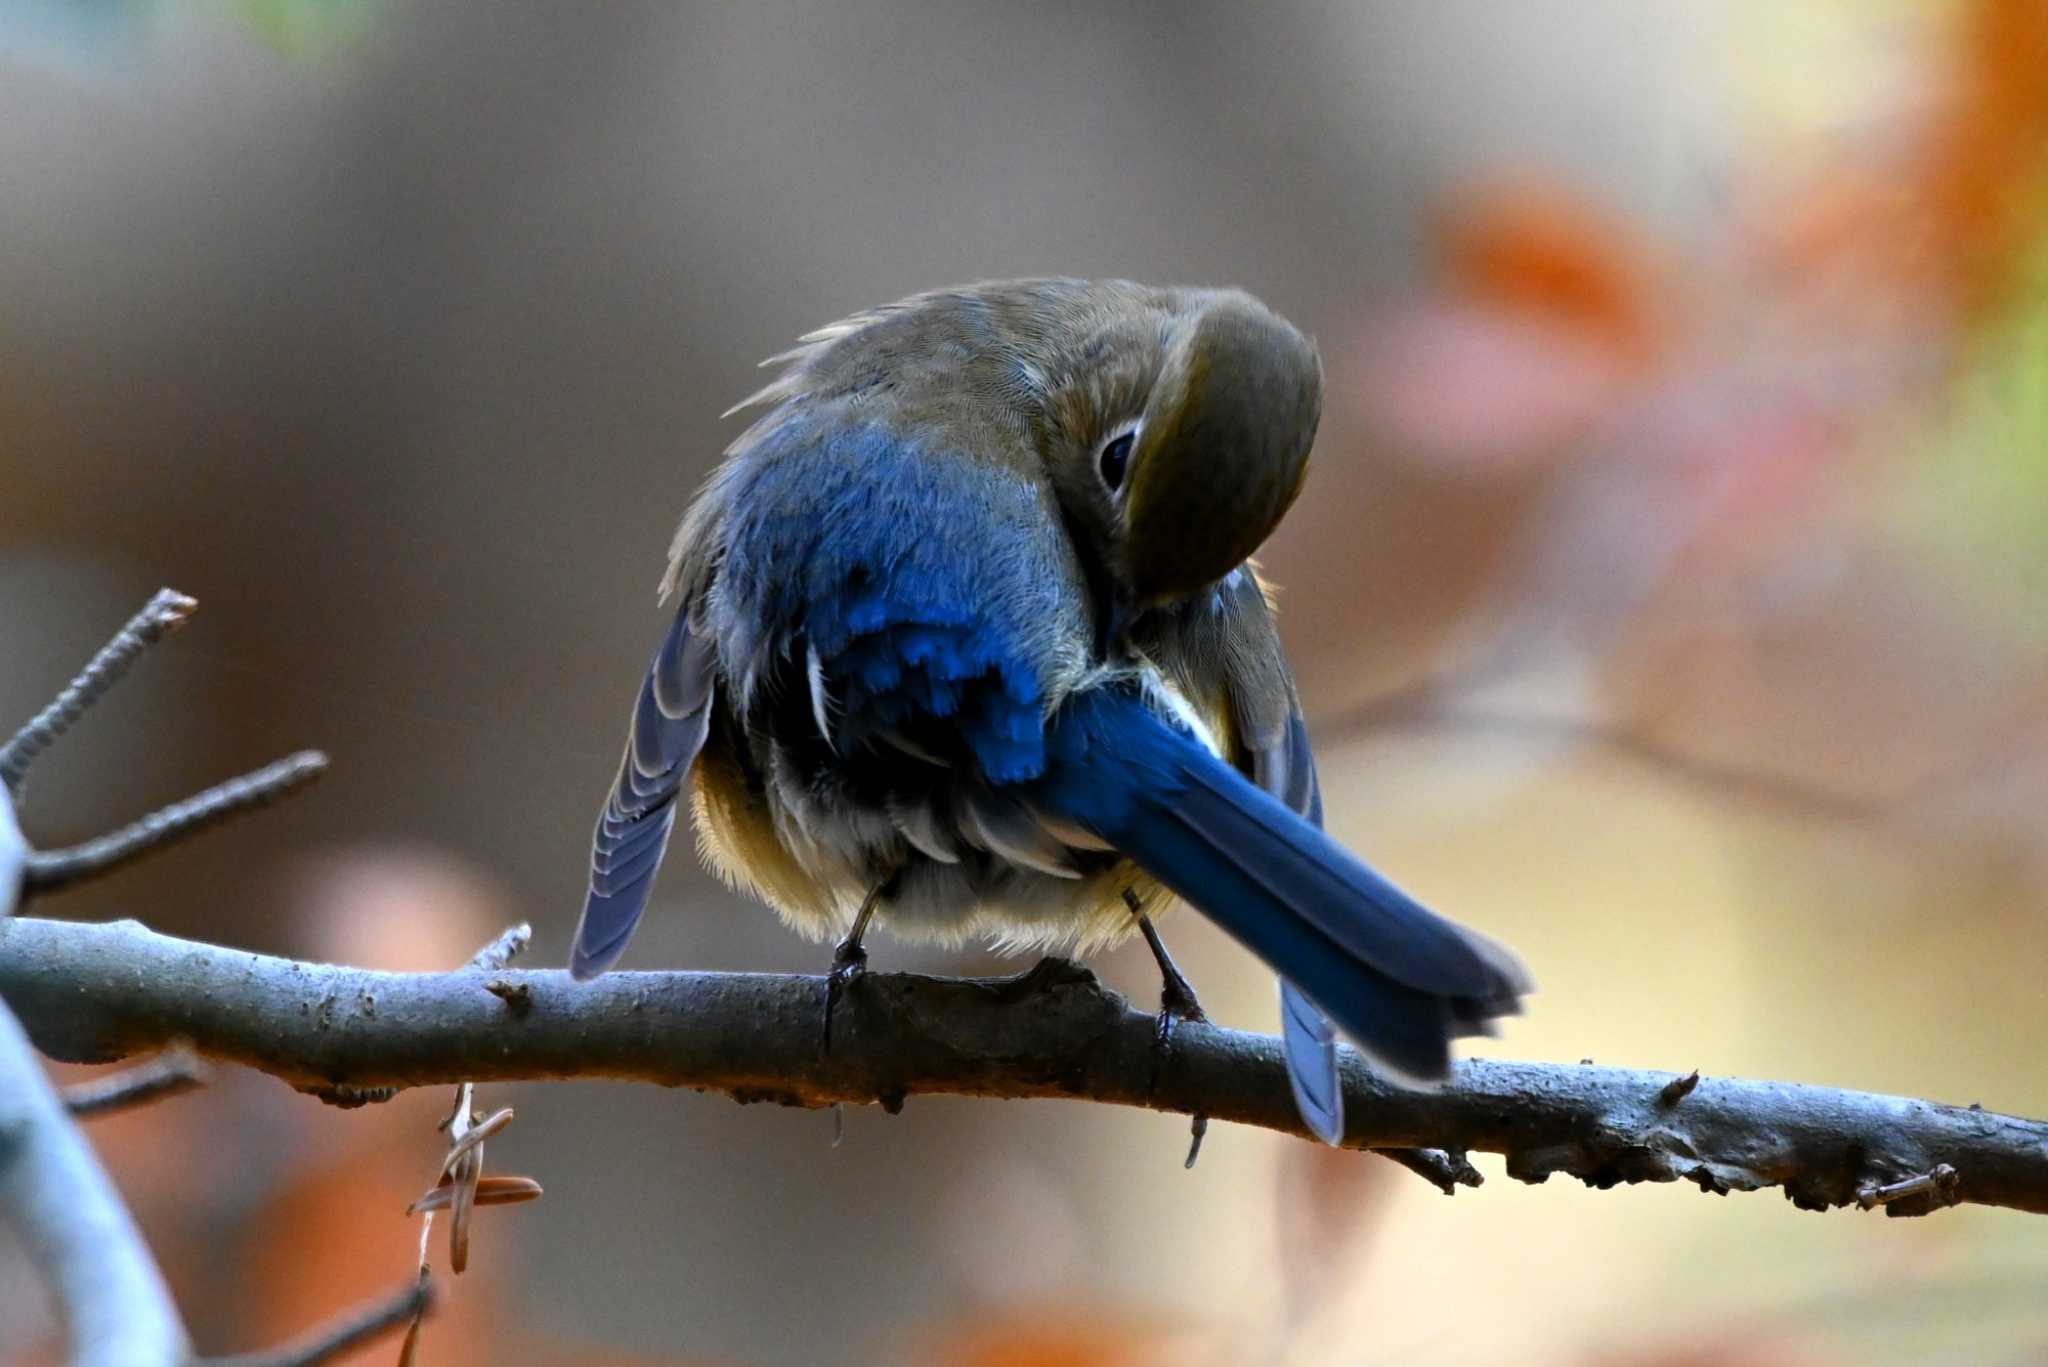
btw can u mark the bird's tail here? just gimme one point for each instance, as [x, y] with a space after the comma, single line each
[1399, 980]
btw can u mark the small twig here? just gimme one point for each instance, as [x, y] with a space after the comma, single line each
[1446, 1170]
[504, 949]
[408, 1351]
[175, 1070]
[1941, 1182]
[162, 615]
[411, 1302]
[1678, 1089]
[1198, 1130]
[518, 997]
[51, 869]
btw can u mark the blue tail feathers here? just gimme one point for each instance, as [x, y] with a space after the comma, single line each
[1399, 980]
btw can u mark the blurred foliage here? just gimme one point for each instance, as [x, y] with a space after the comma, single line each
[1976, 500]
[309, 28]
[82, 31]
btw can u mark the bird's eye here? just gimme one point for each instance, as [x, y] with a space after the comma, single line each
[1116, 460]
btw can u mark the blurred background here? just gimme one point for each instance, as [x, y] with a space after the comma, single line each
[1665, 598]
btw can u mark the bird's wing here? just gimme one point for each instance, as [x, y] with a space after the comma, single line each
[1273, 733]
[669, 725]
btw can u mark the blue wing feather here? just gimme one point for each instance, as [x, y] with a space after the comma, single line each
[670, 720]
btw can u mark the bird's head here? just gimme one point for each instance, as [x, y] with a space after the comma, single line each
[1181, 433]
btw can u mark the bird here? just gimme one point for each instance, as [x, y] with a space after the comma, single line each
[967, 641]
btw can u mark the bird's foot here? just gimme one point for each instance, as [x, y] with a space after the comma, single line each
[1177, 1000]
[1177, 1003]
[849, 961]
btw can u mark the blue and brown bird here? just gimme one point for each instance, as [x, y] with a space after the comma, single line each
[967, 643]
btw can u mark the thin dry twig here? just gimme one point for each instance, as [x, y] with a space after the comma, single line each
[1678, 1089]
[1446, 1171]
[96, 992]
[504, 949]
[52, 869]
[351, 1330]
[177, 1069]
[163, 614]
[1939, 1184]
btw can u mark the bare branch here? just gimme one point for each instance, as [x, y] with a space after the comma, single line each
[111, 1298]
[52, 869]
[352, 1330]
[98, 992]
[163, 614]
[1446, 1171]
[114, 1305]
[173, 1071]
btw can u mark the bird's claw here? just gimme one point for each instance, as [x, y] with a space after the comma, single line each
[849, 961]
[1169, 1019]
[1177, 1003]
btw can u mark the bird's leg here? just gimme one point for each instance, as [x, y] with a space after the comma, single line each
[1177, 1001]
[849, 959]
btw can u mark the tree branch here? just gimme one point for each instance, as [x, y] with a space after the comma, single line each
[49, 870]
[102, 992]
[160, 616]
[351, 1330]
[111, 1298]
[173, 1071]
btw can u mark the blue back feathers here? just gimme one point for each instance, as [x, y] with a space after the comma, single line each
[918, 577]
